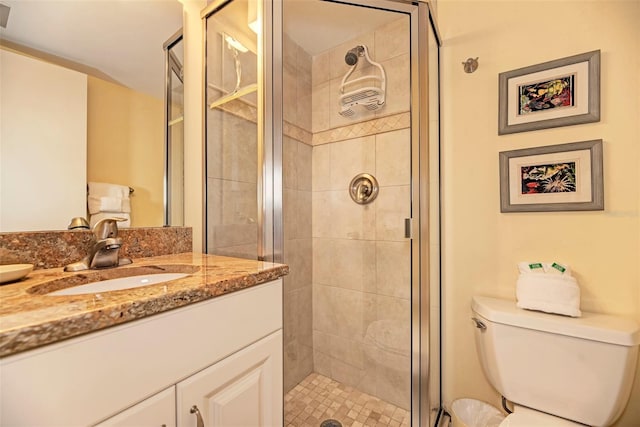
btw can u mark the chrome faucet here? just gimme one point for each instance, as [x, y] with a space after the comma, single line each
[104, 252]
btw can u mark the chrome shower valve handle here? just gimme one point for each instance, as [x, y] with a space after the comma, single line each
[363, 188]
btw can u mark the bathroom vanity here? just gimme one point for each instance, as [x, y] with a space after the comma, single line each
[203, 348]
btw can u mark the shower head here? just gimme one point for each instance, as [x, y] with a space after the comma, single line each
[370, 92]
[351, 58]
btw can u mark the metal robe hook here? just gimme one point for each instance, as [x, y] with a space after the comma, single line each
[470, 65]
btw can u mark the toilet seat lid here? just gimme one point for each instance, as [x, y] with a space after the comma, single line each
[525, 417]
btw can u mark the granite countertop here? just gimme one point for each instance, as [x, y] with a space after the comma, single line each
[30, 318]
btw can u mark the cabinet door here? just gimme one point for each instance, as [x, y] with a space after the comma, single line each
[157, 411]
[244, 390]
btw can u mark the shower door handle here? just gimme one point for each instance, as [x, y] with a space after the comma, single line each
[408, 228]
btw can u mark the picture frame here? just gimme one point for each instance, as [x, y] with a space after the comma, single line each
[564, 177]
[557, 93]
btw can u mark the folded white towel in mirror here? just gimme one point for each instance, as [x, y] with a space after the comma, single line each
[108, 204]
[103, 189]
[102, 215]
[550, 293]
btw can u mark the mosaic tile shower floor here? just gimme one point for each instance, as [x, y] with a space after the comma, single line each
[318, 398]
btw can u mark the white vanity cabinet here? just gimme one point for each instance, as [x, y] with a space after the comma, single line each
[245, 389]
[222, 355]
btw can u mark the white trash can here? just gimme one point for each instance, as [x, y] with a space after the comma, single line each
[474, 413]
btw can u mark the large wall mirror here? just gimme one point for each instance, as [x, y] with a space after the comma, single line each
[83, 100]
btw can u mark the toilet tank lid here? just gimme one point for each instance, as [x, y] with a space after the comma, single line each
[591, 326]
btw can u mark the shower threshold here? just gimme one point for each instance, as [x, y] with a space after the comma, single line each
[318, 398]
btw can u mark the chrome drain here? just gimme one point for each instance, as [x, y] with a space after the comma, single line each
[331, 423]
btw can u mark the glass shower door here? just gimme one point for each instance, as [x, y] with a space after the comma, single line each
[349, 108]
[232, 137]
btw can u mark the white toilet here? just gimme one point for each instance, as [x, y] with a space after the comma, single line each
[557, 371]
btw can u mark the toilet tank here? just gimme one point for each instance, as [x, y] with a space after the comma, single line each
[581, 369]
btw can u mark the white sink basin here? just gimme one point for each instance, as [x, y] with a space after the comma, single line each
[121, 283]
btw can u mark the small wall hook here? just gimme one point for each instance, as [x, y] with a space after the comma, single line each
[470, 65]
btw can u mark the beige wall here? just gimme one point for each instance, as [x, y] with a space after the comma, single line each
[43, 134]
[125, 145]
[193, 120]
[481, 246]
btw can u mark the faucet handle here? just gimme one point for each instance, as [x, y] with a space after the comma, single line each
[107, 228]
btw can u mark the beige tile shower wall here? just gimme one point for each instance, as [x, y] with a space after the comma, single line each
[361, 266]
[232, 169]
[232, 210]
[389, 46]
[298, 340]
[361, 260]
[298, 334]
[297, 85]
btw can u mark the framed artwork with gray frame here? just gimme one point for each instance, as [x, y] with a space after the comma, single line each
[564, 177]
[552, 94]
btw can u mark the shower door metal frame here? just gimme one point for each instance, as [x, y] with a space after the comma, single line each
[272, 198]
[424, 366]
[420, 233]
[269, 156]
[421, 21]
[420, 298]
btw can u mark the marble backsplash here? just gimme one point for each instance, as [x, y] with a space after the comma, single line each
[52, 249]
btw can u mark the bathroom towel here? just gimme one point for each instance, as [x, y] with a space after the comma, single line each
[550, 293]
[108, 204]
[108, 201]
[102, 189]
[102, 215]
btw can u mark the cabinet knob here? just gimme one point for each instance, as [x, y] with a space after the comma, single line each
[199, 420]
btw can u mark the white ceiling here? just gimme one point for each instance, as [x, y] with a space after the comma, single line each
[123, 38]
[320, 25]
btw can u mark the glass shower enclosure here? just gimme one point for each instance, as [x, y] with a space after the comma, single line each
[322, 153]
[233, 149]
